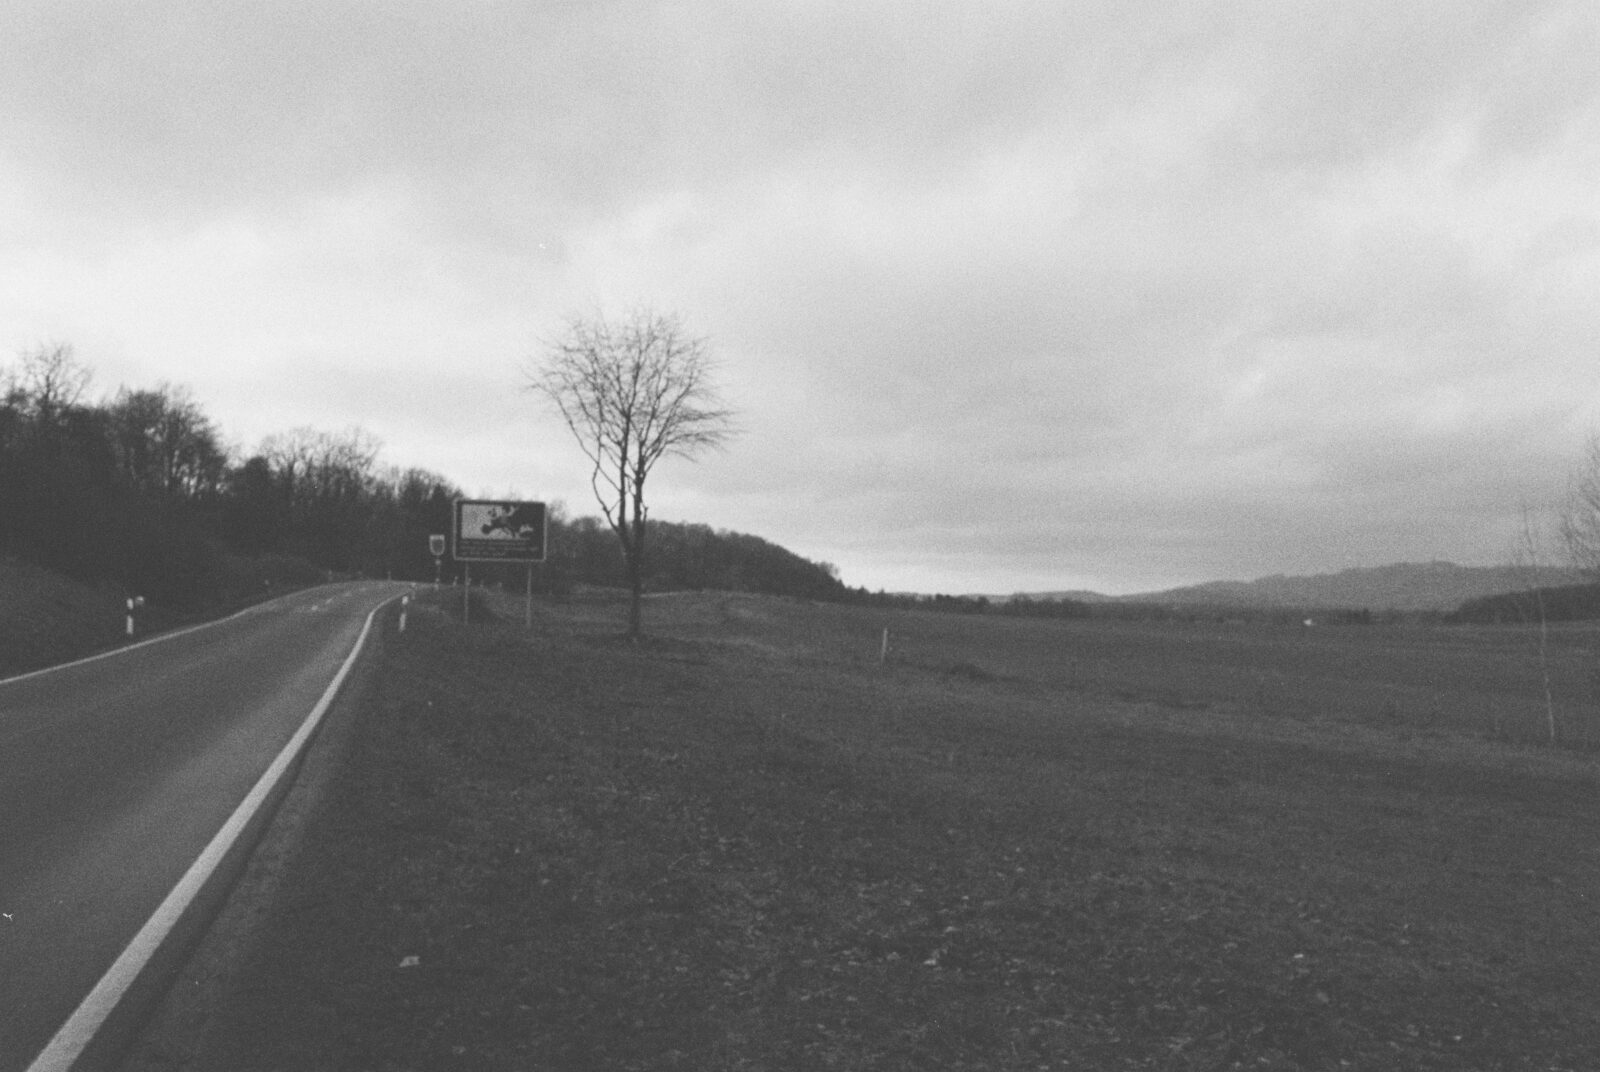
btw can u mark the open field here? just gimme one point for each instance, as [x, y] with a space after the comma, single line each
[744, 844]
[1472, 680]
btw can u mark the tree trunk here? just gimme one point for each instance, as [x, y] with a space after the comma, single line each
[636, 566]
[636, 586]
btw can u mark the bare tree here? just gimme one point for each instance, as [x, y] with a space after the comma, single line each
[323, 481]
[165, 444]
[1580, 515]
[1528, 560]
[47, 381]
[632, 391]
[318, 466]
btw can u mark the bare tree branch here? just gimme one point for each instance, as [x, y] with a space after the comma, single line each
[632, 391]
[1580, 515]
[47, 382]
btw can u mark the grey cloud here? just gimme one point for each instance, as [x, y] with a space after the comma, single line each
[1122, 286]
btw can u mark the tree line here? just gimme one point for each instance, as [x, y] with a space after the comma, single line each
[1564, 603]
[140, 491]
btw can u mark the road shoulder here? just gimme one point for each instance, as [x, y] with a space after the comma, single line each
[180, 1034]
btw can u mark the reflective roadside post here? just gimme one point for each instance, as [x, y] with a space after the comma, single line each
[134, 602]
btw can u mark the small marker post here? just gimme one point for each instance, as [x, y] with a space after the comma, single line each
[133, 602]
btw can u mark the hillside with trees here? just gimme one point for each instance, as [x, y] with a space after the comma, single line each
[1566, 603]
[138, 493]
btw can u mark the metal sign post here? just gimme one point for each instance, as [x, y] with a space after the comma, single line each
[499, 531]
[436, 547]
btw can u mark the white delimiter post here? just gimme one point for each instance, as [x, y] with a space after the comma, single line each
[130, 617]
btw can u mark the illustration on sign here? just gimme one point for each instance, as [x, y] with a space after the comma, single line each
[499, 531]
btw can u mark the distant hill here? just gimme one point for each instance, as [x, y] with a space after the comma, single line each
[1429, 586]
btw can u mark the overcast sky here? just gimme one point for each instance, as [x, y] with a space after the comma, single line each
[1112, 295]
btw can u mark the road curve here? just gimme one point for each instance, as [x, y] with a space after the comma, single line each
[116, 772]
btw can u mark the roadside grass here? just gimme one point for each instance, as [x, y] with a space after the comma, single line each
[50, 619]
[744, 844]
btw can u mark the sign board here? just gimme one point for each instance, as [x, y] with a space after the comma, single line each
[436, 545]
[488, 531]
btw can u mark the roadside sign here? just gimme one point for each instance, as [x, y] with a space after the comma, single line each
[490, 531]
[436, 545]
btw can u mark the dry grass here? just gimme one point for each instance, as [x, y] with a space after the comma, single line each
[743, 844]
[49, 619]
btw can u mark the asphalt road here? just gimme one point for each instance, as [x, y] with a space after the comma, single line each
[115, 774]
